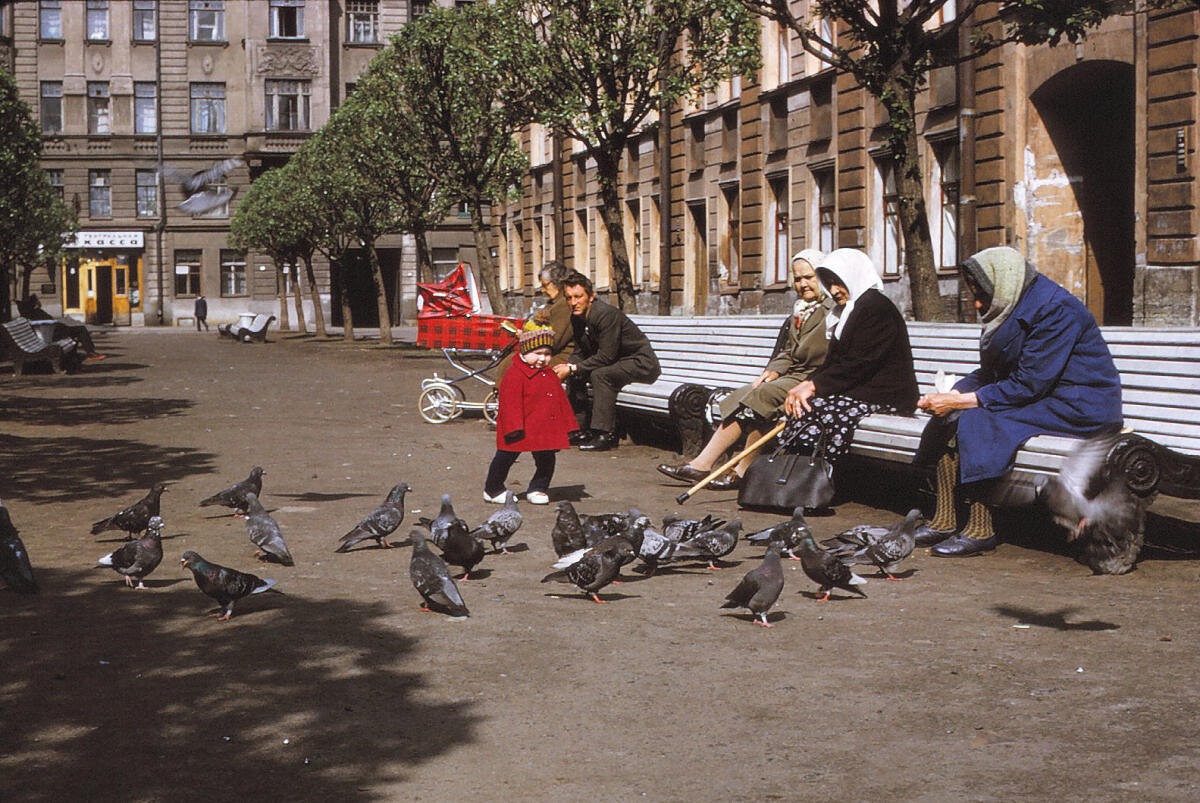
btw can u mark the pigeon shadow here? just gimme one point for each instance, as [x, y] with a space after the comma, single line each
[41, 411]
[99, 677]
[476, 574]
[773, 617]
[609, 597]
[813, 595]
[314, 496]
[1056, 620]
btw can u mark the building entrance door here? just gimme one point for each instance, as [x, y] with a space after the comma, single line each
[99, 283]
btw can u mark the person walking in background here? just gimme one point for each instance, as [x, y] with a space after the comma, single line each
[201, 311]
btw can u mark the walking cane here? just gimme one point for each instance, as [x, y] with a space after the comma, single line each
[733, 461]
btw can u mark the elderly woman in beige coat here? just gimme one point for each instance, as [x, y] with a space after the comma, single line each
[799, 350]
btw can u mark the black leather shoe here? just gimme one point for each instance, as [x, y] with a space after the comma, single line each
[927, 536]
[683, 473]
[729, 481]
[962, 547]
[579, 437]
[600, 442]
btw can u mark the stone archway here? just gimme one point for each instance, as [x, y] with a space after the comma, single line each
[1080, 152]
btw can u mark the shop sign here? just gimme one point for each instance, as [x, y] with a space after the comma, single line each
[108, 239]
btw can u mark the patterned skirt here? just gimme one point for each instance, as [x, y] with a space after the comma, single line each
[832, 420]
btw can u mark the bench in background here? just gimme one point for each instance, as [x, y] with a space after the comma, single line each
[255, 329]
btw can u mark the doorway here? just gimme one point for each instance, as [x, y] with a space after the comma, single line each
[695, 259]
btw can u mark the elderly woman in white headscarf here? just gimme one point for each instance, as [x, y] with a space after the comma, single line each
[869, 367]
[799, 350]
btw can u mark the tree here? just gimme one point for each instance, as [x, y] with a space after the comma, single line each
[891, 49]
[602, 66]
[34, 223]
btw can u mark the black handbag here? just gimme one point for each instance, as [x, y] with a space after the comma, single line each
[788, 481]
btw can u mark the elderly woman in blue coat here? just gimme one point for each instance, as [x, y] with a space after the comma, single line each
[1044, 369]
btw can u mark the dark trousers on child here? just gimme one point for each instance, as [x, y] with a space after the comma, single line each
[503, 461]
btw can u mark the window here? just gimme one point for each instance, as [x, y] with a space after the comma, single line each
[696, 145]
[147, 193]
[145, 107]
[233, 273]
[208, 108]
[418, 8]
[50, 19]
[655, 246]
[362, 21]
[97, 20]
[777, 265]
[730, 141]
[889, 248]
[187, 272]
[206, 20]
[145, 21]
[582, 246]
[51, 108]
[54, 177]
[99, 193]
[97, 107]
[217, 186]
[287, 105]
[947, 12]
[943, 203]
[729, 235]
[633, 240]
[516, 255]
[825, 198]
[287, 19]
[548, 252]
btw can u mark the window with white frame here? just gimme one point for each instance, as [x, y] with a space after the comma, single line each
[99, 193]
[777, 268]
[208, 107]
[206, 20]
[98, 112]
[233, 273]
[50, 19]
[548, 246]
[51, 107]
[147, 193]
[362, 21]
[417, 8]
[887, 245]
[187, 272]
[947, 12]
[824, 217]
[145, 107]
[729, 235]
[97, 20]
[943, 203]
[145, 20]
[654, 252]
[288, 104]
[537, 145]
[516, 254]
[54, 177]
[287, 19]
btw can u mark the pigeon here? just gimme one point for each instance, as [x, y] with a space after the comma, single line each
[501, 525]
[885, 547]
[1096, 506]
[235, 495]
[224, 585]
[137, 559]
[445, 521]
[380, 522]
[761, 586]
[605, 524]
[15, 571]
[711, 545]
[655, 550]
[596, 569]
[204, 190]
[677, 529]
[567, 533]
[264, 533]
[787, 532]
[460, 548]
[826, 569]
[431, 578]
[136, 518]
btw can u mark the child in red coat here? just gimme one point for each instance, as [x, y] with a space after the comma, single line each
[534, 416]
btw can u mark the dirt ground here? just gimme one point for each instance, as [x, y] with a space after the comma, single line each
[1018, 673]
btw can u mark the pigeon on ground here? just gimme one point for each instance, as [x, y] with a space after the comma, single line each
[826, 569]
[204, 190]
[596, 569]
[137, 559]
[445, 521]
[711, 545]
[380, 522]
[431, 577]
[224, 585]
[1095, 505]
[136, 518]
[235, 495]
[885, 547]
[567, 533]
[787, 532]
[15, 571]
[677, 529]
[264, 532]
[604, 524]
[761, 586]
[462, 549]
[501, 525]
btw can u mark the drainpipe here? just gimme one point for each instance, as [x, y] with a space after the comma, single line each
[664, 208]
[162, 185]
[560, 208]
[967, 241]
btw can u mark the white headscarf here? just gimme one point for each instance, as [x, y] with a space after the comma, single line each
[802, 309]
[854, 270]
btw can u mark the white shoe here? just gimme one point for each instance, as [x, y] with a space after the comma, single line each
[537, 498]
[498, 499]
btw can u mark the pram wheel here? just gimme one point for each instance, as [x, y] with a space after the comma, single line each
[491, 406]
[438, 404]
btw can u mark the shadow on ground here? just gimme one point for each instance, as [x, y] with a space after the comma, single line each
[141, 681]
[40, 411]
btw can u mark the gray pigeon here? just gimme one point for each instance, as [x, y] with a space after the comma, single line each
[136, 518]
[445, 521]
[885, 547]
[677, 529]
[223, 584]
[235, 495]
[567, 533]
[136, 559]
[15, 570]
[788, 533]
[826, 569]
[596, 569]
[204, 190]
[380, 522]
[1096, 506]
[264, 532]
[761, 586]
[431, 578]
[711, 545]
[501, 525]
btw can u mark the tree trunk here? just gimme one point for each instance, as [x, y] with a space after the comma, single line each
[607, 173]
[5, 295]
[298, 291]
[424, 260]
[487, 268]
[381, 303]
[285, 324]
[337, 271]
[315, 293]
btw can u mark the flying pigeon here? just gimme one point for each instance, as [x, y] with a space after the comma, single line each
[712, 544]
[264, 532]
[431, 578]
[567, 534]
[379, 523]
[137, 559]
[501, 525]
[136, 518]
[445, 521]
[224, 585]
[826, 569]
[15, 571]
[596, 569]
[787, 532]
[204, 190]
[1095, 505]
[235, 495]
[885, 547]
[761, 586]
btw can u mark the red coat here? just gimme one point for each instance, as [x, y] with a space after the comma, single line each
[533, 401]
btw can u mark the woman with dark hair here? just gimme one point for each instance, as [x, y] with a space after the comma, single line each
[1044, 368]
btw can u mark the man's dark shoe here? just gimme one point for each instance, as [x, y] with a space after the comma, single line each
[962, 547]
[683, 473]
[579, 437]
[600, 442]
[729, 481]
[927, 536]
